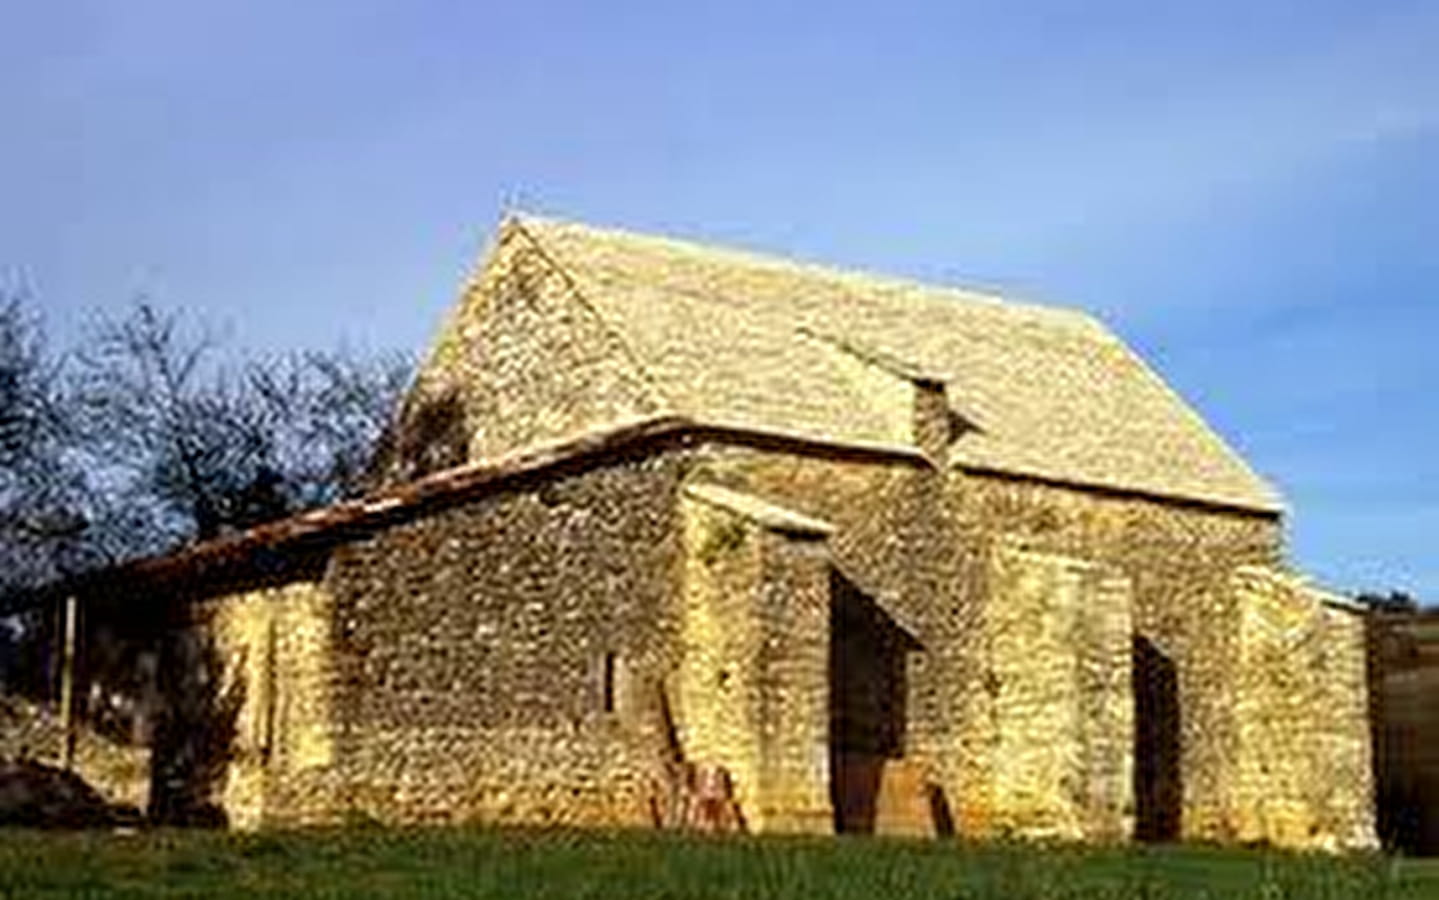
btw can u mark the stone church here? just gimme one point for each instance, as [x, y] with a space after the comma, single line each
[669, 534]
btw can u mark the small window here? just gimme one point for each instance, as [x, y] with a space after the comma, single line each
[607, 683]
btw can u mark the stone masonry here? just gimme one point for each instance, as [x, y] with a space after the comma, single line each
[870, 558]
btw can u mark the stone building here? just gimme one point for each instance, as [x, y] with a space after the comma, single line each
[868, 555]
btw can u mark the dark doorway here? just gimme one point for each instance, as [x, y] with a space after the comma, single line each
[1403, 670]
[867, 651]
[1158, 789]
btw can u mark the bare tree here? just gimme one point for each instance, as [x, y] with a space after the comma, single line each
[170, 432]
[192, 445]
[152, 434]
[328, 411]
[44, 528]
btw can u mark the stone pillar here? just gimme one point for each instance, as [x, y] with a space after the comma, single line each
[792, 706]
[1301, 774]
[1059, 734]
[753, 688]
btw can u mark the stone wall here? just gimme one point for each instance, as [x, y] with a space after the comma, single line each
[549, 651]
[1301, 774]
[793, 608]
[895, 541]
[1061, 709]
[1161, 571]
[277, 654]
[717, 688]
[522, 361]
[753, 684]
[120, 772]
[920, 544]
[473, 644]
[1178, 559]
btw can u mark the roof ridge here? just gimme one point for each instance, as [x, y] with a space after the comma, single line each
[848, 275]
[662, 399]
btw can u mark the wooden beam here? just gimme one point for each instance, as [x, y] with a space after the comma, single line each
[67, 685]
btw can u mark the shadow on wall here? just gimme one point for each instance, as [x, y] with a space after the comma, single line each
[431, 438]
[1158, 785]
[868, 686]
[195, 730]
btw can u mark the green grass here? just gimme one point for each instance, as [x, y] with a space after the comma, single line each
[481, 863]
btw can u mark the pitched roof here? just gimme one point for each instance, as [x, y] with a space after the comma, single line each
[734, 338]
[277, 548]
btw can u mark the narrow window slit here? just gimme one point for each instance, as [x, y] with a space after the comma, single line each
[607, 683]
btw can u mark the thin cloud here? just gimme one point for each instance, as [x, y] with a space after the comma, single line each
[1082, 181]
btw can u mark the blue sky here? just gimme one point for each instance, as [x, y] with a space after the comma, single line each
[1248, 192]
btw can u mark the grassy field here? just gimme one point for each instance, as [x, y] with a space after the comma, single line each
[478, 863]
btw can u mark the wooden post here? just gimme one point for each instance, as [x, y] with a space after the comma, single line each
[67, 685]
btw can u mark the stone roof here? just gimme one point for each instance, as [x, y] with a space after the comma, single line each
[736, 339]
